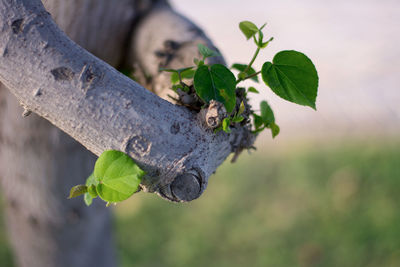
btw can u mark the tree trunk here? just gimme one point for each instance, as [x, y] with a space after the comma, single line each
[40, 163]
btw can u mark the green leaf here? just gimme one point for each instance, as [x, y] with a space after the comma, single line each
[253, 90]
[258, 121]
[242, 67]
[198, 62]
[225, 125]
[91, 180]
[207, 52]
[88, 199]
[92, 191]
[77, 190]
[248, 28]
[118, 176]
[267, 114]
[265, 44]
[274, 129]
[186, 74]
[217, 83]
[237, 119]
[293, 77]
[241, 108]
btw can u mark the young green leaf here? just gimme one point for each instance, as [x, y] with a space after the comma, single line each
[267, 119]
[237, 119]
[253, 90]
[198, 62]
[248, 28]
[258, 121]
[293, 77]
[225, 125]
[274, 129]
[242, 67]
[88, 199]
[186, 74]
[77, 190]
[207, 52]
[265, 44]
[218, 83]
[241, 108]
[91, 180]
[117, 175]
[267, 114]
[91, 190]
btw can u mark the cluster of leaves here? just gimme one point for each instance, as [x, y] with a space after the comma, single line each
[291, 75]
[115, 178]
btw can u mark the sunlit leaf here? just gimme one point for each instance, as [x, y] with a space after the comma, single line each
[225, 125]
[118, 176]
[293, 77]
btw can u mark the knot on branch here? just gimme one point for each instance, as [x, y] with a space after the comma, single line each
[213, 116]
[184, 188]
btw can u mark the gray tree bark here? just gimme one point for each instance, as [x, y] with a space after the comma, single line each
[39, 163]
[99, 107]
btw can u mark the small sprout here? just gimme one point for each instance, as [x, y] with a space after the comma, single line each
[198, 62]
[265, 44]
[274, 129]
[253, 90]
[238, 119]
[225, 125]
[77, 191]
[245, 71]
[248, 28]
[88, 199]
[115, 178]
[267, 114]
[241, 108]
[207, 52]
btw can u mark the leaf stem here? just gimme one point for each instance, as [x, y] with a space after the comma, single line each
[249, 66]
[252, 60]
[248, 77]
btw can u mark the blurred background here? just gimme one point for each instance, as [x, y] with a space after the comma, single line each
[325, 191]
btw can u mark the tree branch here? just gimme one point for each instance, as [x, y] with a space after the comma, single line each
[103, 109]
[164, 38]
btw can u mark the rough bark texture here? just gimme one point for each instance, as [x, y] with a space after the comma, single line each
[164, 38]
[39, 163]
[100, 108]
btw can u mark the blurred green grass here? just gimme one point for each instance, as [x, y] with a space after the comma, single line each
[315, 205]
